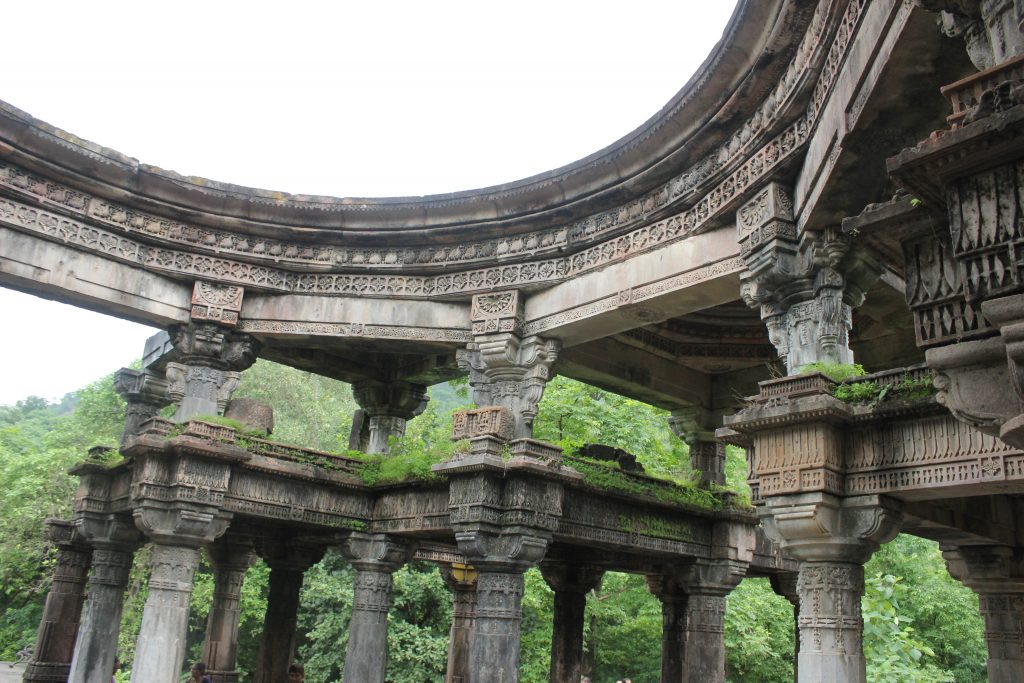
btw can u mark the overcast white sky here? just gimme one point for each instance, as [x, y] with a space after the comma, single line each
[346, 99]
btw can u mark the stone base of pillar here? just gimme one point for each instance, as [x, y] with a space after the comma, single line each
[46, 672]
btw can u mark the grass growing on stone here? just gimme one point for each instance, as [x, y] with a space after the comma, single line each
[608, 476]
[871, 392]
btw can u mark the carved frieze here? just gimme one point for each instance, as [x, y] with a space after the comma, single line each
[491, 421]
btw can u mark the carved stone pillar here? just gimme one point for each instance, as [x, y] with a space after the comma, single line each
[571, 584]
[375, 558]
[160, 649]
[210, 359]
[505, 368]
[996, 574]
[461, 581]
[832, 537]
[288, 561]
[113, 540]
[177, 531]
[387, 406]
[805, 284]
[144, 392]
[673, 624]
[58, 628]
[696, 426]
[785, 585]
[231, 557]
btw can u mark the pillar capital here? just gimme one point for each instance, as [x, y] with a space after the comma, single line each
[805, 283]
[209, 358]
[821, 527]
[508, 370]
[386, 406]
[571, 577]
[987, 568]
[144, 393]
[375, 552]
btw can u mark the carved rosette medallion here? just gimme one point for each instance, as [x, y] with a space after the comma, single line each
[216, 303]
[496, 312]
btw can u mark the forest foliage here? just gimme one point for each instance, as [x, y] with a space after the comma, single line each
[920, 625]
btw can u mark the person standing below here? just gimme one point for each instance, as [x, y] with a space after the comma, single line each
[199, 674]
[296, 673]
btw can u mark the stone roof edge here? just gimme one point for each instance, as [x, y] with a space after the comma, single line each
[625, 169]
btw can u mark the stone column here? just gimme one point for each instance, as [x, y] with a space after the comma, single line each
[231, 557]
[375, 558]
[696, 426]
[210, 360]
[144, 392]
[387, 407]
[785, 585]
[571, 583]
[288, 561]
[805, 284]
[832, 538]
[996, 574]
[505, 368]
[114, 540]
[494, 655]
[673, 625]
[160, 648]
[58, 628]
[461, 581]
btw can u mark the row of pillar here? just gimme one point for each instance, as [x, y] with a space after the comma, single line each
[484, 641]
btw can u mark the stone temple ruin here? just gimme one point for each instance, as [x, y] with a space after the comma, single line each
[841, 179]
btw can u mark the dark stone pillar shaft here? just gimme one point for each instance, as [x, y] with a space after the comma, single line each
[367, 654]
[462, 583]
[220, 648]
[704, 638]
[58, 628]
[277, 646]
[160, 648]
[1003, 614]
[673, 638]
[494, 653]
[830, 622]
[567, 636]
[96, 646]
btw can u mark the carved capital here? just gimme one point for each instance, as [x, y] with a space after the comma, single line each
[987, 569]
[571, 577]
[819, 527]
[181, 524]
[375, 552]
[502, 552]
[991, 29]
[804, 285]
[507, 371]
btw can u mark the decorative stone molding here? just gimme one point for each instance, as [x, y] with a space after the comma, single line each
[215, 303]
[496, 312]
[975, 172]
[507, 371]
[804, 284]
[494, 421]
